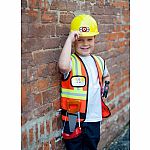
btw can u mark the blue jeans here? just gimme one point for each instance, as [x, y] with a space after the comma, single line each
[87, 140]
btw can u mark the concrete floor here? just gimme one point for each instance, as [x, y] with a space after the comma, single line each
[122, 142]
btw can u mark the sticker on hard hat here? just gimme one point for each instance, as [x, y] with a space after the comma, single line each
[78, 81]
[84, 29]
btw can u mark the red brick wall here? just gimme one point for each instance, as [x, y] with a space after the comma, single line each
[45, 26]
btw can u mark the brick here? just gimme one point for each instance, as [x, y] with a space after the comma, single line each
[104, 19]
[111, 106]
[106, 28]
[44, 5]
[124, 88]
[52, 142]
[62, 29]
[50, 95]
[43, 84]
[46, 146]
[34, 87]
[37, 99]
[58, 5]
[117, 28]
[62, 41]
[117, 11]
[56, 104]
[36, 133]
[121, 4]
[24, 139]
[26, 60]
[101, 3]
[38, 30]
[60, 144]
[110, 43]
[100, 38]
[109, 11]
[48, 126]
[66, 18]
[25, 91]
[23, 119]
[43, 110]
[121, 43]
[121, 50]
[31, 135]
[33, 16]
[117, 20]
[33, 4]
[118, 92]
[49, 17]
[119, 107]
[86, 6]
[24, 30]
[31, 44]
[42, 70]
[43, 57]
[52, 69]
[72, 6]
[31, 74]
[49, 43]
[59, 122]
[111, 97]
[57, 54]
[96, 10]
[54, 123]
[112, 36]
[121, 35]
[125, 79]
[55, 80]
[24, 17]
[100, 47]
[23, 76]
[126, 19]
[42, 128]
[40, 147]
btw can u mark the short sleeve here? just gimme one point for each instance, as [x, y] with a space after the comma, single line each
[67, 73]
[105, 73]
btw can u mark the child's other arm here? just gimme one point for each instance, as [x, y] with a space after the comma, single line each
[106, 78]
[65, 56]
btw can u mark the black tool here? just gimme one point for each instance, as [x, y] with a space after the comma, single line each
[106, 88]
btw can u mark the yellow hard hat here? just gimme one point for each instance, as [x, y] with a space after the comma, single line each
[85, 24]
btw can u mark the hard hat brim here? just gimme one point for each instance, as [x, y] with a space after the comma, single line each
[82, 34]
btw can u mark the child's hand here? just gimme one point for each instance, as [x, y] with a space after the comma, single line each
[74, 35]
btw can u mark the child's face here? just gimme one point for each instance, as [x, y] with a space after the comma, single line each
[84, 45]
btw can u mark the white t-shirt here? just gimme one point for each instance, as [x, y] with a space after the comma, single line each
[94, 111]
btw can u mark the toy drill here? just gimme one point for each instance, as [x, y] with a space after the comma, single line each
[105, 90]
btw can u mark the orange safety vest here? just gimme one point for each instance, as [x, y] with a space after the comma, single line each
[75, 87]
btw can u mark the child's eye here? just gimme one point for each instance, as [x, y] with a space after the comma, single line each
[89, 39]
[79, 40]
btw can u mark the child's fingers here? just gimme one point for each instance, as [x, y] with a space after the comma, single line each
[77, 34]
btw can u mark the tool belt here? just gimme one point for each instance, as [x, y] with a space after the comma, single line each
[73, 113]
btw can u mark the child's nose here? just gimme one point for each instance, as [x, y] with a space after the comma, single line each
[85, 42]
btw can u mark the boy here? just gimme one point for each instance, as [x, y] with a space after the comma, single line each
[84, 79]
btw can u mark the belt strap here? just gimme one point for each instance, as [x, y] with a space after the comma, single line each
[82, 115]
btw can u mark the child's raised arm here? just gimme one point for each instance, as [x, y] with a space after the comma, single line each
[65, 56]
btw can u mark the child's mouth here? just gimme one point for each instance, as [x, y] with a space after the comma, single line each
[85, 48]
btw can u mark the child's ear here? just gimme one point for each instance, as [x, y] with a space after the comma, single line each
[73, 45]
